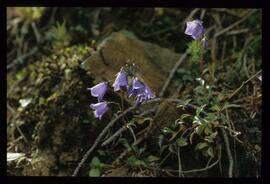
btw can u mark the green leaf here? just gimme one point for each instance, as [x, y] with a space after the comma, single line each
[141, 121]
[184, 104]
[139, 162]
[181, 142]
[200, 129]
[224, 119]
[152, 158]
[197, 120]
[200, 109]
[94, 172]
[131, 160]
[95, 162]
[213, 135]
[215, 108]
[125, 143]
[201, 145]
[211, 117]
[167, 130]
[183, 116]
[207, 130]
[210, 152]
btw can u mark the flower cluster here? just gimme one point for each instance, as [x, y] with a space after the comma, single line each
[137, 89]
[196, 31]
[99, 91]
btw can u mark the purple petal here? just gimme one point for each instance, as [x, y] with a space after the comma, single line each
[121, 81]
[149, 92]
[195, 29]
[100, 108]
[99, 90]
[136, 88]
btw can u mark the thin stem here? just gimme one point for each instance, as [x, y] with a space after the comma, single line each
[179, 163]
[229, 153]
[243, 83]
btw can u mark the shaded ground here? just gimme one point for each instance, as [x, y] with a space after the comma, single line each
[54, 55]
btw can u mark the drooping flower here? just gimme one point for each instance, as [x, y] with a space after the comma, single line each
[149, 92]
[100, 108]
[260, 78]
[99, 90]
[195, 29]
[140, 98]
[136, 88]
[141, 91]
[121, 81]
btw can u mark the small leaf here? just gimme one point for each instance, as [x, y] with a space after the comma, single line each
[200, 129]
[167, 130]
[200, 109]
[183, 116]
[196, 120]
[94, 172]
[224, 119]
[139, 162]
[213, 135]
[215, 108]
[184, 104]
[95, 162]
[201, 145]
[181, 142]
[210, 152]
[14, 156]
[125, 143]
[25, 102]
[152, 158]
[131, 160]
[211, 117]
[144, 120]
[207, 130]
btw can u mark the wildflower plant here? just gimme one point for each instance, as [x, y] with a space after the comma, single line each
[137, 89]
[196, 30]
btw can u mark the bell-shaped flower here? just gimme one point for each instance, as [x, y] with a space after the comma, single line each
[136, 88]
[195, 29]
[99, 90]
[121, 81]
[140, 98]
[149, 92]
[100, 108]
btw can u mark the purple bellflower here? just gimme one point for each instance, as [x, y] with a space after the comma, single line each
[99, 90]
[140, 98]
[149, 92]
[136, 88]
[141, 91]
[195, 29]
[121, 81]
[100, 108]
